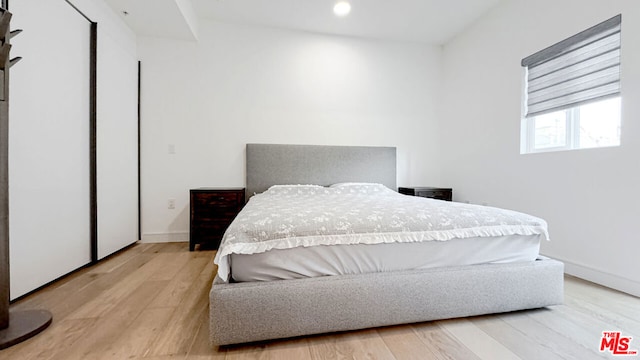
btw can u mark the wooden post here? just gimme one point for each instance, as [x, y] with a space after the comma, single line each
[5, 18]
[15, 326]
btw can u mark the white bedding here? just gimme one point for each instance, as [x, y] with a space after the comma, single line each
[315, 261]
[286, 217]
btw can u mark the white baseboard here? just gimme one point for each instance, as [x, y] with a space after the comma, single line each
[601, 277]
[165, 237]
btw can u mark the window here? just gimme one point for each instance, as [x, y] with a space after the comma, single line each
[572, 94]
[591, 125]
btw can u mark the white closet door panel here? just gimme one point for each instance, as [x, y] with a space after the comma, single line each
[49, 144]
[117, 146]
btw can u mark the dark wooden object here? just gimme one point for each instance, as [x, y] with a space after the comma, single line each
[4, 184]
[93, 140]
[15, 326]
[428, 192]
[212, 211]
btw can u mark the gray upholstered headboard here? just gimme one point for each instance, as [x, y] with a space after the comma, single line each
[270, 164]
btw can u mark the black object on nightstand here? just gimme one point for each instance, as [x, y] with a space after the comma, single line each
[212, 211]
[428, 192]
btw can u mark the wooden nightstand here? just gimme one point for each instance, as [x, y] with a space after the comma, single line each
[428, 192]
[212, 210]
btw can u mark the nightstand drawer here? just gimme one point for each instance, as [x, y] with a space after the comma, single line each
[215, 225]
[217, 199]
[204, 233]
[435, 194]
[428, 192]
[216, 213]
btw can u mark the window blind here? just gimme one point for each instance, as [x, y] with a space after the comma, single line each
[580, 69]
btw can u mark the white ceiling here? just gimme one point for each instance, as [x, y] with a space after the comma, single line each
[161, 18]
[425, 21]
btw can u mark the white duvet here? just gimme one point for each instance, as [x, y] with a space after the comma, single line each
[285, 217]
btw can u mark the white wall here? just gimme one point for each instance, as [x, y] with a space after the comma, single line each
[590, 198]
[49, 140]
[242, 84]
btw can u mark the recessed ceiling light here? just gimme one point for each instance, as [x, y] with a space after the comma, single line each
[342, 8]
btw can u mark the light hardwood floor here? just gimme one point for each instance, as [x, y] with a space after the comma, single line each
[151, 302]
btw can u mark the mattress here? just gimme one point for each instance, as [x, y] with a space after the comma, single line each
[315, 261]
[350, 218]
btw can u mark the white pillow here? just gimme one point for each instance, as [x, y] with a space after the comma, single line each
[295, 186]
[347, 184]
[294, 189]
[360, 188]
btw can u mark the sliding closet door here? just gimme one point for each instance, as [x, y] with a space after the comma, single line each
[49, 144]
[117, 146]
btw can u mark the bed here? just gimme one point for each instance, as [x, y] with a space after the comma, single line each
[264, 290]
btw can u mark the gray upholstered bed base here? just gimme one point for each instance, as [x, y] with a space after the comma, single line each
[247, 312]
